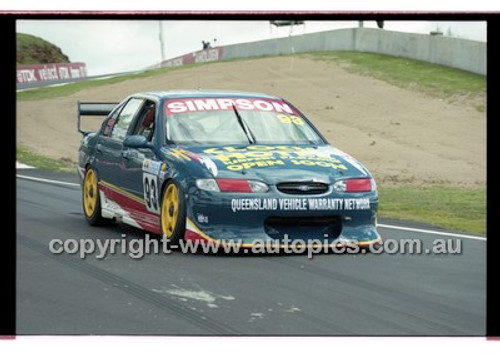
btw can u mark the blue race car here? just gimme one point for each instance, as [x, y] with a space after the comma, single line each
[221, 166]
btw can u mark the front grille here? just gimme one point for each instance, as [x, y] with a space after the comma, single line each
[302, 188]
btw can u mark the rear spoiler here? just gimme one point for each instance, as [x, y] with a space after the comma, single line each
[93, 109]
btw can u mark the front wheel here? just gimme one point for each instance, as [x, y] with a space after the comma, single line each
[173, 212]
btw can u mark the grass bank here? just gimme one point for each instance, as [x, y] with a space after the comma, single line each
[409, 73]
[460, 209]
[25, 156]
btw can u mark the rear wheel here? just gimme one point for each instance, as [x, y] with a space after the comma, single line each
[173, 212]
[91, 199]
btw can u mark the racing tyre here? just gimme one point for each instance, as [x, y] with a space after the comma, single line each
[173, 212]
[91, 199]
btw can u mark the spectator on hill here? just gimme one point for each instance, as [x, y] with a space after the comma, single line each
[206, 45]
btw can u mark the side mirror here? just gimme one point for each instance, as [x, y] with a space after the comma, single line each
[136, 141]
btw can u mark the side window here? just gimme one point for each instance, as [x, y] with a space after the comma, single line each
[108, 124]
[125, 118]
[146, 121]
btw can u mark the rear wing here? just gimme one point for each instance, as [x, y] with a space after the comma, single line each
[93, 109]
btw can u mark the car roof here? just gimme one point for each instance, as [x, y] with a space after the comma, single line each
[177, 94]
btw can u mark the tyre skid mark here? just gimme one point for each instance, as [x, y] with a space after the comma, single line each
[212, 326]
[395, 294]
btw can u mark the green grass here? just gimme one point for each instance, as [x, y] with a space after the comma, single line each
[408, 73]
[449, 207]
[461, 209]
[34, 50]
[25, 156]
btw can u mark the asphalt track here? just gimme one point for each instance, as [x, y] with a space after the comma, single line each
[197, 294]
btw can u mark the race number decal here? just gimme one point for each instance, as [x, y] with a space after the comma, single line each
[150, 184]
[290, 119]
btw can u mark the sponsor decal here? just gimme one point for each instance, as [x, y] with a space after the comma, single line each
[202, 218]
[206, 55]
[164, 172]
[209, 164]
[120, 204]
[260, 156]
[209, 55]
[151, 166]
[226, 104]
[200, 158]
[49, 72]
[176, 62]
[180, 153]
[299, 204]
[350, 160]
[26, 76]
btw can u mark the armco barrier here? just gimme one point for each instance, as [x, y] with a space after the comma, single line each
[454, 52]
[49, 72]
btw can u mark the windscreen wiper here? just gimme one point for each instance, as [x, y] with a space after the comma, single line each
[246, 129]
[303, 135]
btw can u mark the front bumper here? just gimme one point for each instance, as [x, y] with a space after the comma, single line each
[273, 216]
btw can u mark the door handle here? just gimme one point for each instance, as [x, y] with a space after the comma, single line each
[126, 154]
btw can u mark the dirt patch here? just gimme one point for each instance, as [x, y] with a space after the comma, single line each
[402, 136]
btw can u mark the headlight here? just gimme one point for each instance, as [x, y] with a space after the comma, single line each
[258, 186]
[207, 185]
[340, 186]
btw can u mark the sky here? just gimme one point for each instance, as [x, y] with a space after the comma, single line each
[126, 45]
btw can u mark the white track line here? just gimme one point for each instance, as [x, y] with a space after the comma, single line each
[23, 166]
[418, 230]
[389, 226]
[49, 181]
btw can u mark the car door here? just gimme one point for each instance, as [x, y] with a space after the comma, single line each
[141, 164]
[109, 148]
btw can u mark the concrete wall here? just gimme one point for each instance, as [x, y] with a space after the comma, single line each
[454, 52]
[321, 41]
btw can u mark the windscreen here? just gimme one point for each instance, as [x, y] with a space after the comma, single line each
[207, 121]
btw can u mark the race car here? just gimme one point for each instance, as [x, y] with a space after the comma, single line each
[222, 166]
